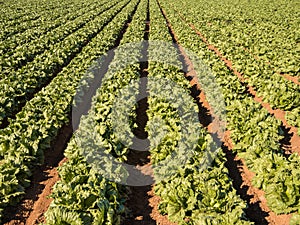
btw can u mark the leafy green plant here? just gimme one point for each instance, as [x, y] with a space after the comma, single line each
[17, 89]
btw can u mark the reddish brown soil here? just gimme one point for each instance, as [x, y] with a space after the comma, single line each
[294, 145]
[43, 202]
[142, 203]
[160, 219]
[139, 206]
[257, 195]
[36, 202]
[296, 80]
[34, 205]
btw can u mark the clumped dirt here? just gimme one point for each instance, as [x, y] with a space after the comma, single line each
[154, 202]
[138, 198]
[142, 202]
[143, 205]
[138, 203]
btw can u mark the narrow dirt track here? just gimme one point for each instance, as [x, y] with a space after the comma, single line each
[142, 202]
[36, 202]
[258, 210]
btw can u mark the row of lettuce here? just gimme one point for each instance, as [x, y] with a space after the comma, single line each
[267, 31]
[40, 35]
[38, 123]
[255, 133]
[39, 25]
[61, 47]
[89, 167]
[18, 16]
[265, 37]
[192, 180]
[17, 20]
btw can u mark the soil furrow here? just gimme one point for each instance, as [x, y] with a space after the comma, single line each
[36, 201]
[142, 201]
[138, 202]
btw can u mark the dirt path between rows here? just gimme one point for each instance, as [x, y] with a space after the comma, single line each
[142, 201]
[36, 202]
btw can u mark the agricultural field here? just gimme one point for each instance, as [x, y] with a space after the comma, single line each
[132, 112]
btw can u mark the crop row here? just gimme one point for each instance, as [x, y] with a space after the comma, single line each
[25, 53]
[193, 193]
[46, 24]
[179, 147]
[255, 133]
[10, 13]
[94, 141]
[271, 86]
[22, 19]
[17, 89]
[259, 27]
[99, 126]
[37, 124]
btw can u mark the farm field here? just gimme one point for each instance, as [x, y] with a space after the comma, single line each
[150, 112]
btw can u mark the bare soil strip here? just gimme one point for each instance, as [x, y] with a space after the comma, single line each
[292, 136]
[142, 202]
[160, 219]
[258, 210]
[296, 80]
[36, 200]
